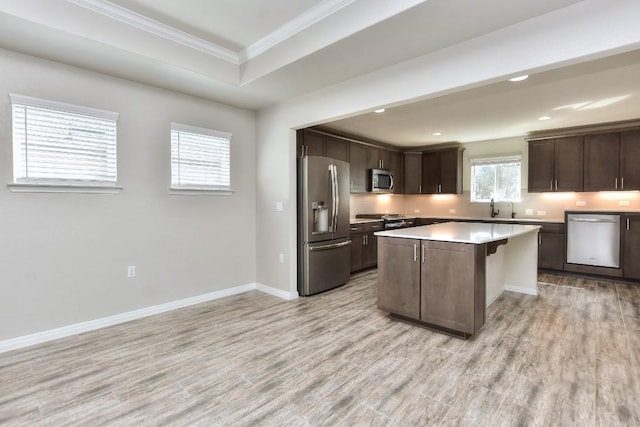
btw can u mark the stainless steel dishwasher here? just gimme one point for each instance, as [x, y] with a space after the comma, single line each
[593, 239]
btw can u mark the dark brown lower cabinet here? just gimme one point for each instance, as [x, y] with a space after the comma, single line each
[357, 251]
[370, 250]
[364, 245]
[399, 277]
[631, 248]
[551, 252]
[440, 284]
[453, 285]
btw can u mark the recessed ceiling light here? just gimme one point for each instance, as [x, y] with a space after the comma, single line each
[544, 118]
[436, 133]
[380, 110]
[519, 78]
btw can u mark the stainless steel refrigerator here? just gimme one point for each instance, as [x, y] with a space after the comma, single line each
[324, 253]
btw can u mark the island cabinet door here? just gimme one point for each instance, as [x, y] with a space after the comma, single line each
[399, 276]
[452, 296]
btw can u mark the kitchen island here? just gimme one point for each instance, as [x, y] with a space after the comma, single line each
[445, 275]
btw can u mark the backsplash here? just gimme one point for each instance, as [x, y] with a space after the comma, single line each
[544, 206]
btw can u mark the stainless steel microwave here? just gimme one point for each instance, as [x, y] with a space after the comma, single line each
[380, 181]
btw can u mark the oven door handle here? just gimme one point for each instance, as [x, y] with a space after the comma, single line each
[591, 220]
[396, 224]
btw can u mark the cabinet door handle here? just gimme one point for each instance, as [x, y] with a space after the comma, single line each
[616, 183]
[420, 189]
[551, 185]
[622, 183]
[423, 253]
[415, 252]
[556, 185]
[539, 239]
[364, 240]
[628, 224]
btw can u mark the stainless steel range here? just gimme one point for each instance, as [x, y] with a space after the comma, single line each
[391, 221]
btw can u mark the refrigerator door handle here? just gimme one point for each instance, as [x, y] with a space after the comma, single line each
[331, 246]
[335, 199]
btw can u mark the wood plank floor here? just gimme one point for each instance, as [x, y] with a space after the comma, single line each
[570, 356]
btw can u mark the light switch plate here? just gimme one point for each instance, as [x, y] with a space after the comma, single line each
[528, 211]
[416, 211]
[452, 211]
[623, 203]
[279, 207]
[542, 213]
[581, 203]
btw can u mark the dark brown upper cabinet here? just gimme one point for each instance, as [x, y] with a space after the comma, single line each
[556, 164]
[319, 144]
[358, 160]
[396, 165]
[610, 161]
[629, 158]
[412, 173]
[442, 171]
[336, 148]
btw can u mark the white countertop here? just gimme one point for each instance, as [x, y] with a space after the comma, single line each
[494, 219]
[461, 232]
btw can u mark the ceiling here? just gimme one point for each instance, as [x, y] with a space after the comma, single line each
[600, 91]
[255, 53]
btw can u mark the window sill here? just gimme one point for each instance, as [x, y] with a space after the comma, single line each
[199, 192]
[63, 188]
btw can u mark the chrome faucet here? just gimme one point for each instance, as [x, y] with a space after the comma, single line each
[493, 211]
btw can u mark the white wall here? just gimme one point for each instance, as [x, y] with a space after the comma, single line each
[64, 257]
[567, 36]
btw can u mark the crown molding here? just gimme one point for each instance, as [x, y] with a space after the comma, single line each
[152, 26]
[301, 22]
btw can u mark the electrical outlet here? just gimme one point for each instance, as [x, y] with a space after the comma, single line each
[416, 211]
[452, 211]
[623, 203]
[279, 207]
[581, 203]
[542, 213]
[281, 258]
[131, 271]
[528, 212]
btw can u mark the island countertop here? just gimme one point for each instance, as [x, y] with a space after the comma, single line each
[461, 232]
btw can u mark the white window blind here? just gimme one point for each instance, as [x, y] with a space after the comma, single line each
[62, 144]
[496, 178]
[200, 158]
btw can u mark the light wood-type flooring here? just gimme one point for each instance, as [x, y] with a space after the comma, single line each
[570, 356]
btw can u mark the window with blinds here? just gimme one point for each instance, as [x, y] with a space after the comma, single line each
[200, 158]
[62, 144]
[496, 178]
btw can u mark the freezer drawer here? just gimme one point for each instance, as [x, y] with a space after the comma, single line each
[593, 239]
[326, 265]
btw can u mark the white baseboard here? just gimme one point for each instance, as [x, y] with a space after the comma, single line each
[77, 328]
[276, 292]
[521, 290]
[495, 297]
